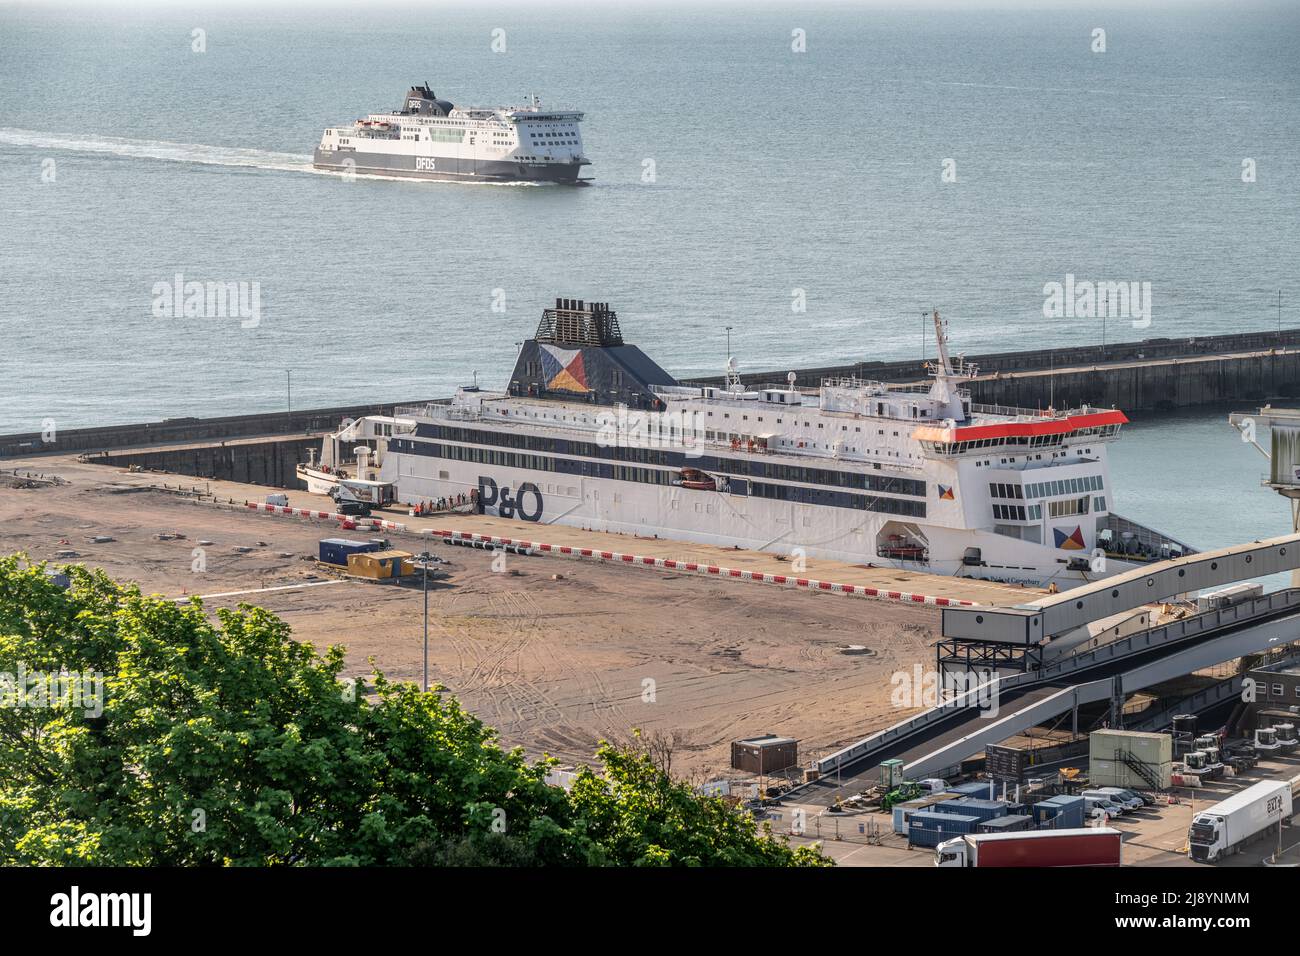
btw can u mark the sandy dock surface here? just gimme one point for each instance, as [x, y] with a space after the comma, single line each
[554, 664]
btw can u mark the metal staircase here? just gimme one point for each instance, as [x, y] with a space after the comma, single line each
[1130, 760]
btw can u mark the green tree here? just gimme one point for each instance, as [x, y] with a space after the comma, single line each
[223, 741]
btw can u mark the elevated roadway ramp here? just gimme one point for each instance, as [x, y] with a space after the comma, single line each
[942, 737]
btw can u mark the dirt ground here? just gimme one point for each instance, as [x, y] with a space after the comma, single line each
[554, 664]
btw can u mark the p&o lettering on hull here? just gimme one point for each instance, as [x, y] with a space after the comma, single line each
[525, 504]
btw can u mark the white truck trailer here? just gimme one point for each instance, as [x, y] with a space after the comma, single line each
[1225, 827]
[358, 496]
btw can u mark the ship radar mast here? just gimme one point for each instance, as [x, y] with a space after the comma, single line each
[944, 390]
[941, 337]
[733, 377]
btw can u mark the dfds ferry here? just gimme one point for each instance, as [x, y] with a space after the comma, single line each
[429, 138]
[590, 432]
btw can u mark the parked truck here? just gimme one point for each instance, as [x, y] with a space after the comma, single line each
[1266, 740]
[1210, 744]
[356, 496]
[1228, 825]
[1091, 846]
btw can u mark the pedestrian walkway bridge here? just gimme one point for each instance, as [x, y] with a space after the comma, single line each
[938, 739]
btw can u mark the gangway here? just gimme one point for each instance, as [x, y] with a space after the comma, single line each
[940, 738]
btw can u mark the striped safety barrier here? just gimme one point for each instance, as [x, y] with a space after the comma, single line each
[668, 564]
[348, 521]
[705, 569]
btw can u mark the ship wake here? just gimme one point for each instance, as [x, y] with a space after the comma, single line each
[166, 151]
[161, 150]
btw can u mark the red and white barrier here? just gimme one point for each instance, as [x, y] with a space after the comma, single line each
[706, 569]
[348, 521]
[668, 564]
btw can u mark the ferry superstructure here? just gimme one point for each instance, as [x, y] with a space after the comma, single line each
[430, 138]
[590, 432]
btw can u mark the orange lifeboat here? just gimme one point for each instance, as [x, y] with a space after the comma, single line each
[696, 479]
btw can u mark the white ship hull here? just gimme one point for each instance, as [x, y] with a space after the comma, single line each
[592, 434]
[727, 521]
[433, 140]
[318, 482]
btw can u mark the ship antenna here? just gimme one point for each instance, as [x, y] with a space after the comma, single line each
[941, 337]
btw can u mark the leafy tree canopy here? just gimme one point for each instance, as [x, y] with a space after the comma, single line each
[140, 731]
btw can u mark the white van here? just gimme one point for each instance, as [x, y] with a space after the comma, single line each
[1125, 798]
[1099, 804]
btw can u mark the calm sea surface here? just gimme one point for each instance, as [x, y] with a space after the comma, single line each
[774, 172]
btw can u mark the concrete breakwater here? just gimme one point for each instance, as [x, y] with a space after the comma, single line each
[1151, 375]
[269, 461]
[173, 430]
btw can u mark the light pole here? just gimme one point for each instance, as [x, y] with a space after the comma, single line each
[424, 562]
[288, 390]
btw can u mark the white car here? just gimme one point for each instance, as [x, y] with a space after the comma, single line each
[1125, 798]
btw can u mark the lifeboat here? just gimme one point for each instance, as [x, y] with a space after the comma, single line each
[696, 479]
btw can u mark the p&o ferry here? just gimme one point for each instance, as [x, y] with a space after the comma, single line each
[591, 432]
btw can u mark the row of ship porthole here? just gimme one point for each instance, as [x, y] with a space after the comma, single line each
[1151, 582]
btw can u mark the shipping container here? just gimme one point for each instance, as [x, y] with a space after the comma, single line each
[1060, 812]
[764, 754]
[1007, 824]
[336, 550]
[903, 811]
[1148, 748]
[927, 828]
[380, 565]
[976, 788]
[1107, 765]
[968, 806]
[1113, 773]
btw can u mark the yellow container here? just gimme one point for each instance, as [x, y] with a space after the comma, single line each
[379, 565]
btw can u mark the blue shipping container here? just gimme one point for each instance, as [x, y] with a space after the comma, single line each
[336, 550]
[927, 828]
[1059, 813]
[967, 806]
[1007, 824]
[978, 788]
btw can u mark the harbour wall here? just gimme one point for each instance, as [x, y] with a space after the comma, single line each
[1153, 375]
[269, 462]
[175, 430]
[1147, 376]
